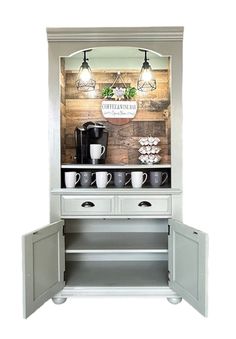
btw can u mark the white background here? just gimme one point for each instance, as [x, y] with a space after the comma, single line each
[209, 163]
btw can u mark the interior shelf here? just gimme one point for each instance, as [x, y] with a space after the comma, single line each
[117, 273]
[114, 166]
[116, 242]
[115, 190]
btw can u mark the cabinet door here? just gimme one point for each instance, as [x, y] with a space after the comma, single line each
[43, 265]
[188, 251]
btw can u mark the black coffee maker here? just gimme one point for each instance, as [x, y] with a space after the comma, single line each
[90, 133]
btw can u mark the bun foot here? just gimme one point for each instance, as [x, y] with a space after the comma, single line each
[174, 300]
[59, 301]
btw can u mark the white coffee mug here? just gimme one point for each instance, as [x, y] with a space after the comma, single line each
[103, 179]
[70, 179]
[138, 179]
[96, 151]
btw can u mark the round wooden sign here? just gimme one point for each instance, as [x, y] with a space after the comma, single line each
[119, 112]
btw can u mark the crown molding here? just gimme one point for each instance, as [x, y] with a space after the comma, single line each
[115, 34]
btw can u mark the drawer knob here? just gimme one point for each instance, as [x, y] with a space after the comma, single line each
[145, 204]
[88, 204]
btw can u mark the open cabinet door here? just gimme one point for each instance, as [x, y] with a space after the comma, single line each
[188, 252]
[43, 265]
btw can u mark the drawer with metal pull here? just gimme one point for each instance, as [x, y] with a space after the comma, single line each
[145, 205]
[73, 205]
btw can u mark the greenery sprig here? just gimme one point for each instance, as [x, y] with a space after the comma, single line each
[129, 93]
[107, 92]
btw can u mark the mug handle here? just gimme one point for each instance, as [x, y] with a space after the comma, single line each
[144, 180]
[78, 179]
[103, 151]
[94, 179]
[166, 177]
[128, 179]
[109, 174]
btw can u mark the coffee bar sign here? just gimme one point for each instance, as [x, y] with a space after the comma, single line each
[119, 109]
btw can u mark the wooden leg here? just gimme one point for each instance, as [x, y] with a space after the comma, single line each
[59, 301]
[174, 300]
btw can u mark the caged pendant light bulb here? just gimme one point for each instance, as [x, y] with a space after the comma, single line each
[146, 81]
[84, 80]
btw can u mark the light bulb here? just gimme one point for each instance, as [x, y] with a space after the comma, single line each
[146, 75]
[85, 75]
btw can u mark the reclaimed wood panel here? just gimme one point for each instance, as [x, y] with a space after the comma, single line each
[104, 78]
[113, 140]
[96, 115]
[149, 116]
[153, 105]
[76, 105]
[123, 141]
[156, 128]
[117, 154]
[87, 109]
[152, 118]
[68, 156]
[63, 108]
[84, 116]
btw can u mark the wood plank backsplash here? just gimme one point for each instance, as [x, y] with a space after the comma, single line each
[152, 118]
[63, 109]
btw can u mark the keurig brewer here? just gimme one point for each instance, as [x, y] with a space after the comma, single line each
[90, 133]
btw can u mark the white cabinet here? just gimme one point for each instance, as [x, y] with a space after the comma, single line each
[116, 241]
[171, 264]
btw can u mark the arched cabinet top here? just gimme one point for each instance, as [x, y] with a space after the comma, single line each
[166, 41]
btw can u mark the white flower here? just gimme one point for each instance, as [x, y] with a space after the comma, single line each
[119, 92]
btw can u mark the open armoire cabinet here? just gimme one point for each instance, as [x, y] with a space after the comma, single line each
[115, 241]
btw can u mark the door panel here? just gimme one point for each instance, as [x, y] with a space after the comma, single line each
[43, 265]
[188, 251]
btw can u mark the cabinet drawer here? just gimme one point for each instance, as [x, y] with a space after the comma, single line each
[145, 205]
[86, 205]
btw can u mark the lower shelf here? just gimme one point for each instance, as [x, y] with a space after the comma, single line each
[116, 242]
[117, 273]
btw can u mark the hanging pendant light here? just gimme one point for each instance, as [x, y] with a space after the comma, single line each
[146, 81]
[84, 80]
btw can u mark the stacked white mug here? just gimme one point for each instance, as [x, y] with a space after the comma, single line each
[96, 151]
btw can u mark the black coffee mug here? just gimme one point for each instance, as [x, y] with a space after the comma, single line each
[86, 179]
[158, 178]
[119, 179]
